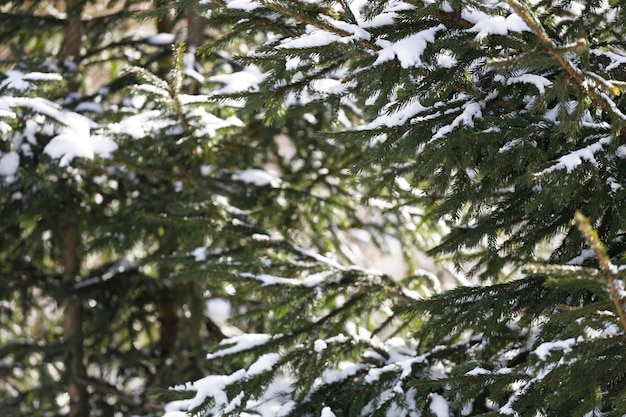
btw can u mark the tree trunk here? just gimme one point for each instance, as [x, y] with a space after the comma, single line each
[73, 324]
[164, 24]
[74, 39]
[168, 330]
[73, 310]
[195, 28]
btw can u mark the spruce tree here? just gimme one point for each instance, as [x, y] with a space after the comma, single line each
[138, 199]
[505, 122]
[88, 318]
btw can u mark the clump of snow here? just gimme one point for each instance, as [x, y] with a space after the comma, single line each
[258, 177]
[75, 140]
[190, 63]
[89, 106]
[312, 280]
[570, 161]
[260, 237]
[446, 60]
[537, 80]
[471, 111]
[397, 117]
[199, 254]
[356, 31]
[545, 349]
[247, 79]
[240, 344]
[247, 5]
[439, 406]
[386, 17]
[161, 39]
[478, 371]
[314, 38]
[327, 412]
[328, 86]
[102, 146]
[218, 310]
[67, 146]
[319, 345]
[9, 164]
[584, 255]
[485, 25]
[410, 49]
[264, 363]
[18, 80]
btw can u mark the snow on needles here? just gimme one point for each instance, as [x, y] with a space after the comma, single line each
[74, 140]
[257, 177]
[485, 24]
[410, 49]
[71, 137]
[18, 80]
[570, 161]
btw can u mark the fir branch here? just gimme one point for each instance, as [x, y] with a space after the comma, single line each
[609, 270]
[318, 24]
[577, 75]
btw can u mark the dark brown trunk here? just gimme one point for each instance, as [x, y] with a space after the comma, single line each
[195, 28]
[72, 308]
[164, 24]
[73, 324]
[74, 39]
[168, 330]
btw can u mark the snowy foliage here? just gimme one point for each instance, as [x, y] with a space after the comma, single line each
[509, 115]
[231, 207]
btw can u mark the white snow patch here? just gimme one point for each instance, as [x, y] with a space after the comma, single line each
[247, 79]
[537, 80]
[478, 371]
[545, 349]
[314, 38]
[199, 254]
[264, 363]
[240, 343]
[410, 49]
[9, 164]
[446, 60]
[396, 118]
[18, 80]
[485, 25]
[585, 254]
[218, 310]
[439, 406]
[327, 412]
[311, 281]
[319, 345]
[258, 177]
[471, 111]
[570, 161]
[247, 5]
[89, 106]
[161, 39]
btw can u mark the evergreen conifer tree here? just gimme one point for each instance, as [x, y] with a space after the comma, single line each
[140, 204]
[506, 121]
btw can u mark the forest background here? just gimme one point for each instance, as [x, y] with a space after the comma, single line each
[384, 208]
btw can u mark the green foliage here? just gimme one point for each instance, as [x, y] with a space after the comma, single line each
[505, 121]
[229, 205]
[177, 197]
